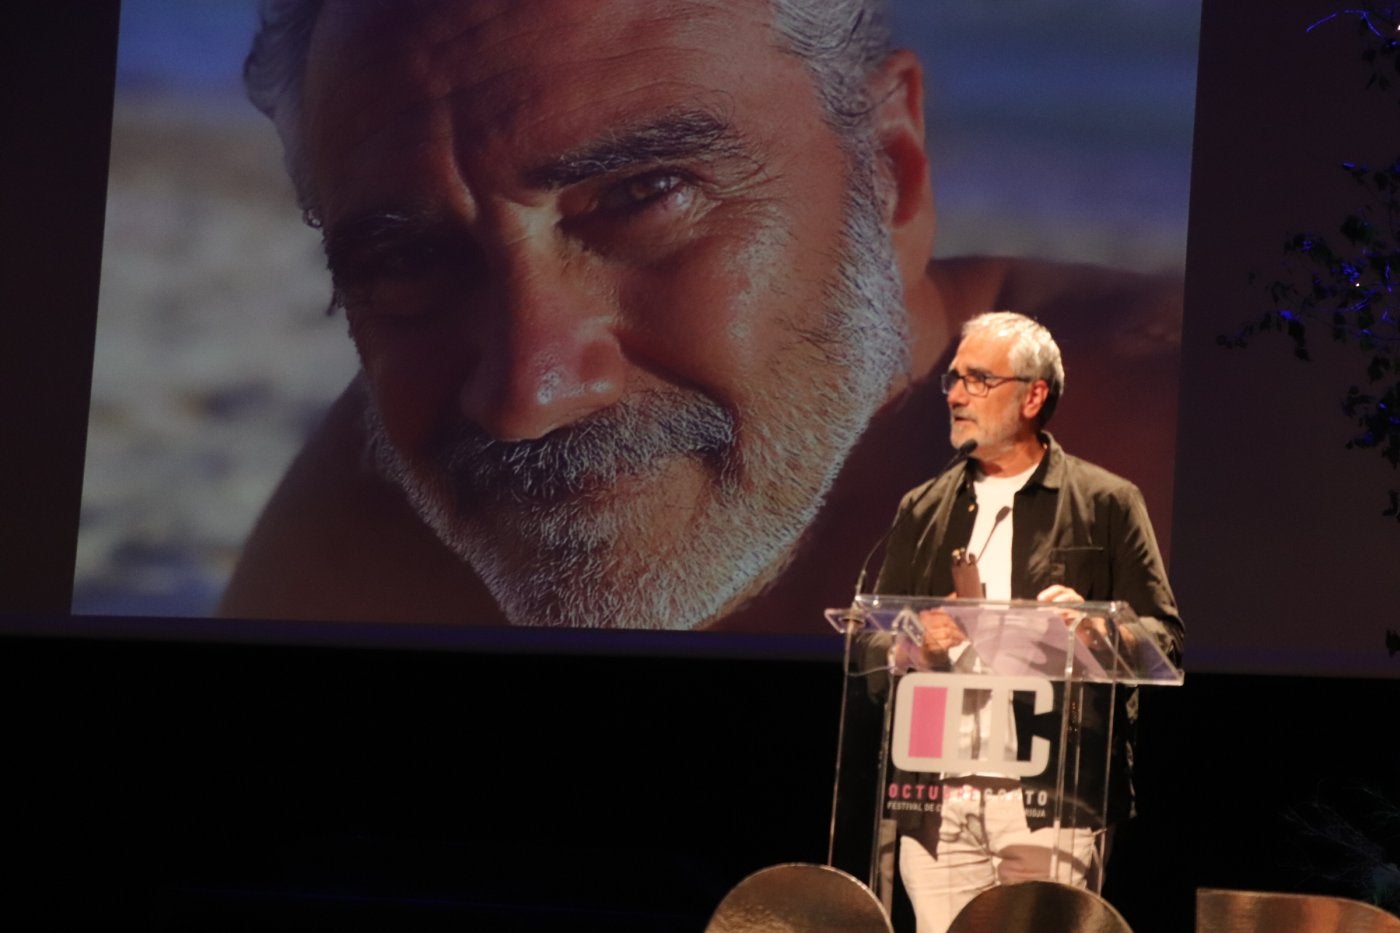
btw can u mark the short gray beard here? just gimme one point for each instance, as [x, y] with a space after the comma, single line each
[536, 519]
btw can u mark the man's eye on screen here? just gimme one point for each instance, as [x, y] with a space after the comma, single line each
[661, 191]
[402, 261]
[398, 280]
[640, 218]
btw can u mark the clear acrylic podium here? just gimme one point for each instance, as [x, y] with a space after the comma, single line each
[1024, 707]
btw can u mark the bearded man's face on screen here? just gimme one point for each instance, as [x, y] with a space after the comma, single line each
[623, 296]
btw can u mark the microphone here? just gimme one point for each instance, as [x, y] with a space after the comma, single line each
[964, 450]
[1002, 512]
[967, 579]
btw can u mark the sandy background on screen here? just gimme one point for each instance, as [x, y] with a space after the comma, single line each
[215, 354]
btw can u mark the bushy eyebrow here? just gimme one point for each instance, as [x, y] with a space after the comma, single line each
[690, 136]
[693, 136]
[971, 371]
[376, 230]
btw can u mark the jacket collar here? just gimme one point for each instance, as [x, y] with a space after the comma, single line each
[1050, 473]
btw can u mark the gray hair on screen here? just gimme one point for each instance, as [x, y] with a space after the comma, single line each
[839, 42]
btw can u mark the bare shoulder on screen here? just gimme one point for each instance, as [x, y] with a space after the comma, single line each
[336, 541]
[1135, 314]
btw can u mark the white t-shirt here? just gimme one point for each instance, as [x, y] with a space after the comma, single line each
[991, 543]
[991, 539]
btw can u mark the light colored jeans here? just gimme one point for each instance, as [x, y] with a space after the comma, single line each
[983, 840]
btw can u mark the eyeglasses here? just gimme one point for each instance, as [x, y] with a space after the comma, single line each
[977, 384]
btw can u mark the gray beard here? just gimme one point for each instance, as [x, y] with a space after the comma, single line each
[536, 519]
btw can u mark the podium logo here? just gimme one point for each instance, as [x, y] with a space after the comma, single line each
[961, 724]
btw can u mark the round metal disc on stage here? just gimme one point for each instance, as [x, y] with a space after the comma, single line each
[1221, 911]
[799, 898]
[1038, 907]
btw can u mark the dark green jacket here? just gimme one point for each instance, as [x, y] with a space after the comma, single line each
[1073, 523]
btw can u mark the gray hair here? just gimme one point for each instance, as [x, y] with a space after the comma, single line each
[840, 42]
[273, 73]
[1034, 352]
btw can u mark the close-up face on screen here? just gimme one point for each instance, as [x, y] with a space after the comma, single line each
[604, 315]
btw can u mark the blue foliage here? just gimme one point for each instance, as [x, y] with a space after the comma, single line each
[1347, 282]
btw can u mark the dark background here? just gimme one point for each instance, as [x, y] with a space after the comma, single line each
[188, 786]
[182, 784]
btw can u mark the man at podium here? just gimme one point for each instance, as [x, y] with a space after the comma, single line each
[1035, 523]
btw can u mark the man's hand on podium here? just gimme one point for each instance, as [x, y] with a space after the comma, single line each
[1095, 632]
[1059, 593]
[941, 634]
